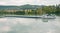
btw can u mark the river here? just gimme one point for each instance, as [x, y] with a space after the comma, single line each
[29, 25]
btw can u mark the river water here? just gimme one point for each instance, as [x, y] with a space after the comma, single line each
[29, 25]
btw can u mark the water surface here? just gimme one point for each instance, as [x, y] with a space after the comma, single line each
[29, 25]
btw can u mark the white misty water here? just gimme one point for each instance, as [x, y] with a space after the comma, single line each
[29, 25]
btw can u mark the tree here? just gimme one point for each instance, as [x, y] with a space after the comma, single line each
[58, 9]
[49, 9]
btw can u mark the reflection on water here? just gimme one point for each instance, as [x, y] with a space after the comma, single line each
[29, 25]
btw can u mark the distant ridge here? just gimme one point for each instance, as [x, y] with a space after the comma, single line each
[27, 6]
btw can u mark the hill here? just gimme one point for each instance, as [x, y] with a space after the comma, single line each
[27, 6]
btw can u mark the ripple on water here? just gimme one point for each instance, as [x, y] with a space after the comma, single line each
[29, 25]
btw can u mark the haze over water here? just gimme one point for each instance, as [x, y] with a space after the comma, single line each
[29, 25]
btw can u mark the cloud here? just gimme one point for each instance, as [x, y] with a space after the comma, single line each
[21, 2]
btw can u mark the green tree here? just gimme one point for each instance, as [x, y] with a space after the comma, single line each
[58, 9]
[49, 9]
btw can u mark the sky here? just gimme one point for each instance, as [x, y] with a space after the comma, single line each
[32, 2]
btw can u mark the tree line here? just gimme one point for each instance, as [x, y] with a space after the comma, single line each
[51, 9]
[54, 9]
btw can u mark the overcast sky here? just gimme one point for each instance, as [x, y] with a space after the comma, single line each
[33, 2]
